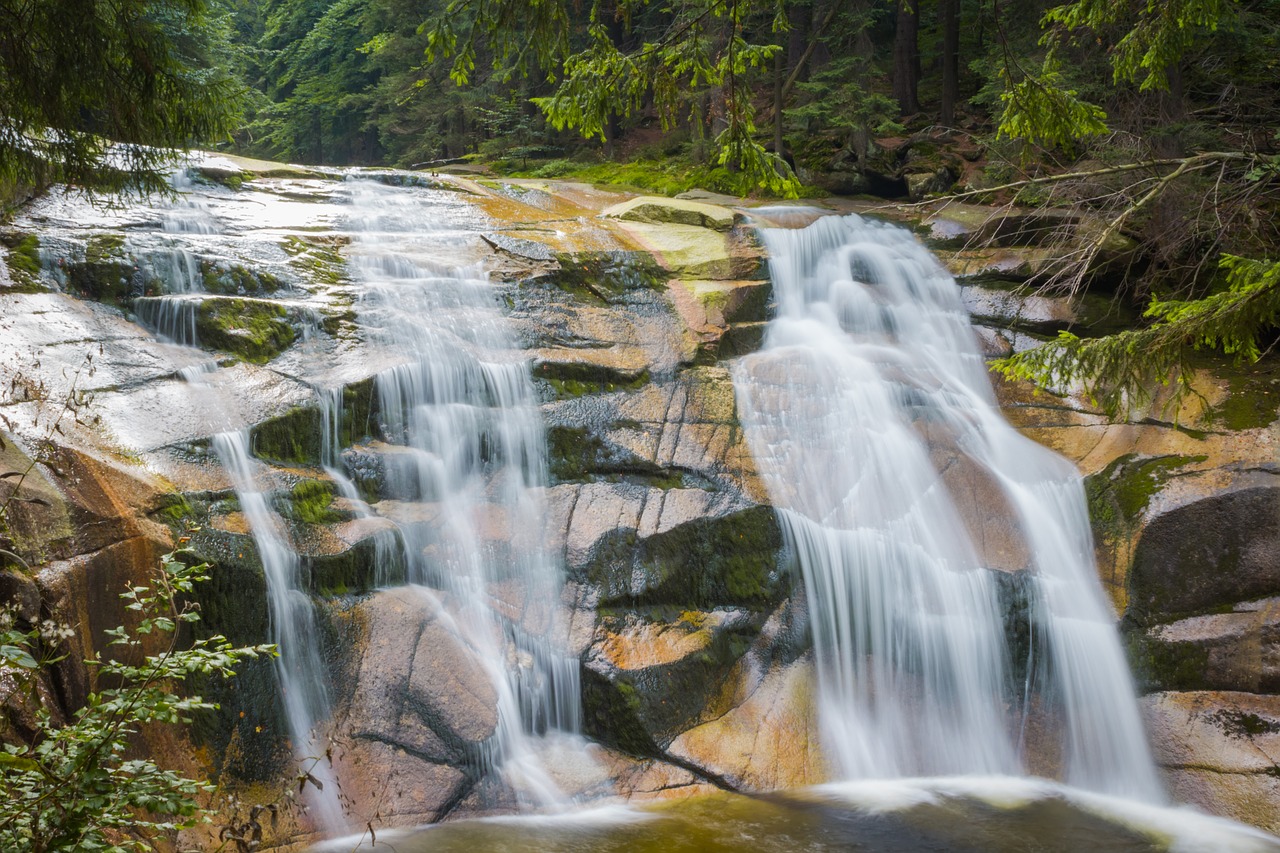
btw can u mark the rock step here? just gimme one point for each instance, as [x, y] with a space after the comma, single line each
[1239, 650]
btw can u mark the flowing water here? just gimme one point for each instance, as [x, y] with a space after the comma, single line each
[470, 476]
[464, 451]
[294, 627]
[873, 422]
[947, 560]
[948, 815]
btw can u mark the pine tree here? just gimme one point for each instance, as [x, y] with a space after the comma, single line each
[93, 93]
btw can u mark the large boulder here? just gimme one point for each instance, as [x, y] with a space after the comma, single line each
[1220, 751]
[1208, 553]
[420, 686]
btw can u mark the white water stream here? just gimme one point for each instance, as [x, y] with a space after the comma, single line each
[868, 389]
[294, 629]
[471, 475]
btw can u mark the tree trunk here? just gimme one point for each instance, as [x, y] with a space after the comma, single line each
[906, 57]
[950, 13]
[779, 75]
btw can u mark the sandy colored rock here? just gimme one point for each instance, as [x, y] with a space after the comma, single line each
[1219, 751]
[1017, 264]
[658, 210]
[769, 741]
[390, 786]
[449, 685]
[691, 252]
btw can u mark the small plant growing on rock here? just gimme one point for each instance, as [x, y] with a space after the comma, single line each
[74, 784]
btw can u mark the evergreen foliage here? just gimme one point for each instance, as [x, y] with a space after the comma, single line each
[92, 93]
[1118, 372]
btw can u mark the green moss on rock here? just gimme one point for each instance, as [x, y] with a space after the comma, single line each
[23, 260]
[1119, 494]
[229, 279]
[105, 275]
[1253, 395]
[1161, 665]
[611, 715]
[292, 437]
[579, 455]
[607, 275]
[349, 572]
[256, 331]
[295, 436]
[311, 502]
[319, 258]
[247, 732]
[705, 563]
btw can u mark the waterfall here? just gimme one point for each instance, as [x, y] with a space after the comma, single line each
[469, 477]
[388, 565]
[173, 314]
[294, 628]
[912, 508]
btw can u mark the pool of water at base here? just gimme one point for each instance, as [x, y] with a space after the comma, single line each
[953, 815]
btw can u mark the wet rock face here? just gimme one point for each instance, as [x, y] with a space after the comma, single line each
[420, 688]
[1219, 751]
[1214, 552]
[695, 662]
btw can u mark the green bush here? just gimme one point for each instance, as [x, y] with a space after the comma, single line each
[76, 786]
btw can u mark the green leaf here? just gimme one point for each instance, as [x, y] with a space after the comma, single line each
[18, 657]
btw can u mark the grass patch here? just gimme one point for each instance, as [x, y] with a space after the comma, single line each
[668, 176]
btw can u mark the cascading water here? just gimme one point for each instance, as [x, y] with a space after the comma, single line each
[470, 478]
[173, 314]
[866, 403]
[294, 628]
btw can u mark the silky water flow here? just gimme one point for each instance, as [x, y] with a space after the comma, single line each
[470, 476]
[872, 420]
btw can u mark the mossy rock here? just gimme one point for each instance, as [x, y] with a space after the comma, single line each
[575, 378]
[740, 339]
[311, 502]
[247, 733]
[23, 261]
[352, 571]
[1206, 555]
[611, 715]
[669, 698]
[293, 437]
[228, 279]
[105, 275]
[1253, 393]
[606, 276]
[177, 511]
[318, 258]
[733, 559]
[1119, 494]
[256, 331]
[579, 455]
[1161, 666]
